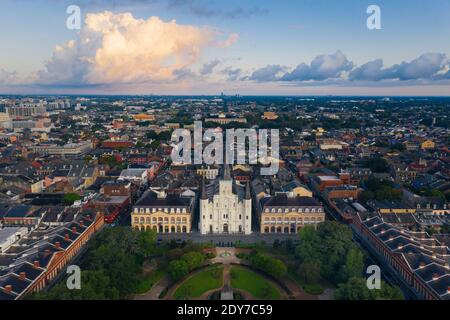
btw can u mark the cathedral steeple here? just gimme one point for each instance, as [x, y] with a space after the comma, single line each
[226, 172]
[203, 195]
[248, 195]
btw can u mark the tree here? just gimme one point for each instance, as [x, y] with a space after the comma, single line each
[356, 289]
[193, 259]
[309, 272]
[70, 198]
[274, 267]
[366, 195]
[146, 242]
[354, 265]
[378, 165]
[95, 286]
[174, 254]
[336, 241]
[178, 269]
[155, 145]
[327, 246]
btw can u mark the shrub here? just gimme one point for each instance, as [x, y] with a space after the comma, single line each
[178, 269]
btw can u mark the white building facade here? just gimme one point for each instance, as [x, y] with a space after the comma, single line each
[226, 210]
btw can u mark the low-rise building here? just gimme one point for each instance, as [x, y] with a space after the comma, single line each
[163, 213]
[283, 214]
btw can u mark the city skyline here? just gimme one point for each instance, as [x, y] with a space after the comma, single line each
[249, 48]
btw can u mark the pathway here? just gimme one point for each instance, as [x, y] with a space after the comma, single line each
[155, 291]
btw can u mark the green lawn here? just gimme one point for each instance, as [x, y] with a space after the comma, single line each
[149, 280]
[195, 286]
[255, 284]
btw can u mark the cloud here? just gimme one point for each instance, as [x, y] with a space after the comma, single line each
[427, 66]
[323, 67]
[232, 38]
[208, 68]
[232, 74]
[184, 73]
[372, 70]
[267, 73]
[118, 48]
[8, 78]
[423, 67]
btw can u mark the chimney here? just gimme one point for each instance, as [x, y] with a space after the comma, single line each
[36, 264]
[23, 276]
[399, 246]
[74, 229]
[47, 252]
[435, 276]
[421, 264]
[448, 289]
[58, 244]
[81, 223]
[66, 237]
[8, 288]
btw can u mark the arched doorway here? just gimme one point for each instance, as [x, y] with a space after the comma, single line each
[225, 228]
[292, 228]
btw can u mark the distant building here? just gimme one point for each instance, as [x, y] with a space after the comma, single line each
[329, 144]
[138, 176]
[144, 117]
[208, 172]
[10, 235]
[67, 149]
[427, 144]
[269, 116]
[226, 120]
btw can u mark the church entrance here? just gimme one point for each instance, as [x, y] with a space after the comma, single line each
[225, 228]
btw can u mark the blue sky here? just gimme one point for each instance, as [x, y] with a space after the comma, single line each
[280, 34]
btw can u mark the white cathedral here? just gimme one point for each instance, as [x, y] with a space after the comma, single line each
[225, 207]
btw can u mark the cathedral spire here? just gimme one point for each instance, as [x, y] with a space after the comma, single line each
[226, 172]
[203, 196]
[248, 195]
